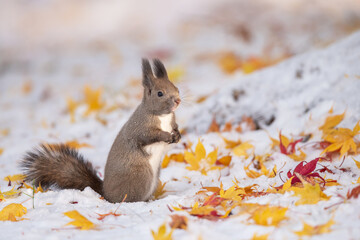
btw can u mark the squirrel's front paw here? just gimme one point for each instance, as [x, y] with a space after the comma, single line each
[176, 136]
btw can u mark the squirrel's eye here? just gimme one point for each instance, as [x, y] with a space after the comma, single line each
[160, 93]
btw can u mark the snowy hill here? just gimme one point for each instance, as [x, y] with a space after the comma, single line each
[288, 91]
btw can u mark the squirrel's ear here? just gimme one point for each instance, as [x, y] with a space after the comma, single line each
[159, 69]
[147, 73]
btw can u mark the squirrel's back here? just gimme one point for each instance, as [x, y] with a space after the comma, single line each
[61, 166]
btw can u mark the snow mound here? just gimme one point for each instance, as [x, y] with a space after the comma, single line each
[291, 89]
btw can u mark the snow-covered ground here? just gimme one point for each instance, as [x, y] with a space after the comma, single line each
[39, 76]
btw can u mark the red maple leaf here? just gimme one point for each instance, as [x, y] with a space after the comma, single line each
[354, 193]
[290, 149]
[305, 170]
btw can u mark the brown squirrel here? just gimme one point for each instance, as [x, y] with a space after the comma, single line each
[133, 164]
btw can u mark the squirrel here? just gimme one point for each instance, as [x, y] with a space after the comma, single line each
[133, 164]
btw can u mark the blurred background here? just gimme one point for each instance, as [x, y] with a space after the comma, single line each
[57, 57]
[176, 30]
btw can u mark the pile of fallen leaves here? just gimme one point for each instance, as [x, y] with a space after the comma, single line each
[305, 181]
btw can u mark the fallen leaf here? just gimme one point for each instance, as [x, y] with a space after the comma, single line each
[309, 230]
[214, 126]
[79, 220]
[226, 160]
[287, 147]
[260, 237]
[175, 74]
[162, 233]
[178, 221]
[232, 193]
[92, 97]
[199, 161]
[354, 193]
[15, 178]
[331, 182]
[331, 122]
[227, 127]
[357, 163]
[252, 64]
[339, 139]
[4, 132]
[242, 149]
[13, 193]
[269, 216]
[159, 190]
[1, 150]
[229, 144]
[309, 194]
[177, 157]
[76, 145]
[229, 62]
[71, 106]
[27, 87]
[12, 212]
[38, 189]
[305, 171]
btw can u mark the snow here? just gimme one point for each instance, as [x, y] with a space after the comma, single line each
[297, 93]
[303, 84]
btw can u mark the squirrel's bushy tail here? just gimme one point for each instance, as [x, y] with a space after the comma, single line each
[60, 166]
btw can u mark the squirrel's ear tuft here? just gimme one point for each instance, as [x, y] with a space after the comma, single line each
[147, 73]
[159, 69]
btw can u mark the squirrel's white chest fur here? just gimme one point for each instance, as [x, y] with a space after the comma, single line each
[158, 150]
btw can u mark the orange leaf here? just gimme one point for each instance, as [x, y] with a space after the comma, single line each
[178, 221]
[214, 126]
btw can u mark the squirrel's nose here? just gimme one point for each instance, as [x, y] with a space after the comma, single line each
[177, 101]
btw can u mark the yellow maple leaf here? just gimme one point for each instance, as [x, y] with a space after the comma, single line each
[92, 97]
[263, 170]
[199, 161]
[13, 193]
[4, 132]
[357, 163]
[309, 230]
[309, 194]
[162, 233]
[230, 144]
[233, 193]
[159, 190]
[269, 215]
[242, 149]
[15, 178]
[286, 187]
[331, 122]
[38, 189]
[71, 106]
[176, 73]
[1, 150]
[79, 220]
[252, 64]
[300, 157]
[75, 144]
[201, 210]
[177, 157]
[342, 139]
[225, 160]
[12, 212]
[229, 62]
[260, 237]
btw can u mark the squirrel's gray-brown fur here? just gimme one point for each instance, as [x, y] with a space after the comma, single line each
[133, 164]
